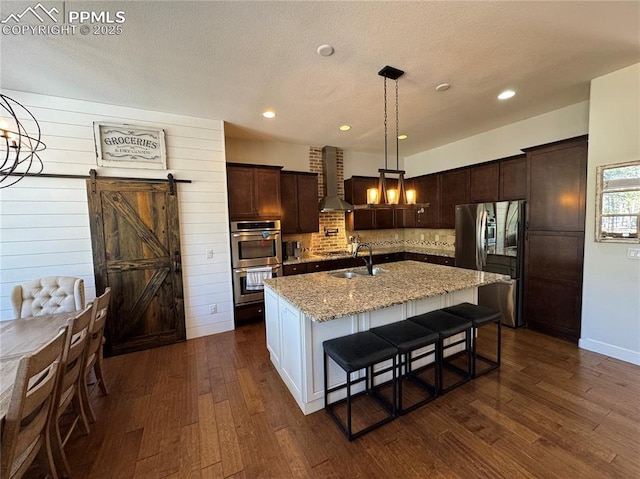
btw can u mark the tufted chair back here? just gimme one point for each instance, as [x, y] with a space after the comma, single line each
[49, 295]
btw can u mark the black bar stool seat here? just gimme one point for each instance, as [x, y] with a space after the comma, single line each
[408, 337]
[480, 316]
[448, 325]
[355, 352]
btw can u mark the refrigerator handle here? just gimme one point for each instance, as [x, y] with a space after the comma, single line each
[482, 247]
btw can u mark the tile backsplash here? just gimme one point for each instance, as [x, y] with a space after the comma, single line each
[432, 238]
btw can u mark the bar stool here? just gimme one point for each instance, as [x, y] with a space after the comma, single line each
[448, 325]
[355, 352]
[480, 316]
[408, 337]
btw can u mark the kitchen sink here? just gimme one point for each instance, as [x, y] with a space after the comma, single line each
[346, 274]
[357, 272]
[362, 271]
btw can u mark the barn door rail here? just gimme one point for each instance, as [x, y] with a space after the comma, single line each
[93, 174]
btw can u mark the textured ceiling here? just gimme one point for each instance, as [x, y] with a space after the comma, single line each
[232, 60]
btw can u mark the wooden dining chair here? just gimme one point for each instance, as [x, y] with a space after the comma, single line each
[66, 396]
[94, 353]
[24, 433]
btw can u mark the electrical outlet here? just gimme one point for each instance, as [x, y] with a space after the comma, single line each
[396, 236]
[421, 237]
[209, 253]
[633, 253]
[213, 308]
[437, 237]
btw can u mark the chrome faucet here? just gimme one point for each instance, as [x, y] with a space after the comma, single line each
[367, 261]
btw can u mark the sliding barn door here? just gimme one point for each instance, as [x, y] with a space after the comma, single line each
[136, 251]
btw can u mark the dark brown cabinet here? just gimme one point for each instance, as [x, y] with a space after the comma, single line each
[430, 258]
[513, 178]
[553, 288]
[428, 191]
[554, 242]
[253, 191]
[557, 186]
[355, 192]
[405, 218]
[484, 182]
[387, 258]
[315, 266]
[299, 199]
[454, 190]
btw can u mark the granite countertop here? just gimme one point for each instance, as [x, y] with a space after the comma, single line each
[308, 257]
[324, 297]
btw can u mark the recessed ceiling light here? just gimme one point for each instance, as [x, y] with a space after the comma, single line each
[269, 114]
[402, 137]
[443, 87]
[325, 50]
[345, 127]
[505, 95]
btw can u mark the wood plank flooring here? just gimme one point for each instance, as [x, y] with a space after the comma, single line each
[214, 407]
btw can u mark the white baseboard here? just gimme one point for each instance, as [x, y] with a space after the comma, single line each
[208, 329]
[617, 352]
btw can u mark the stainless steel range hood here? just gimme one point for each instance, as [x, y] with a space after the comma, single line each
[331, 201]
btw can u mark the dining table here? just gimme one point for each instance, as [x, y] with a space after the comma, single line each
[19, 337]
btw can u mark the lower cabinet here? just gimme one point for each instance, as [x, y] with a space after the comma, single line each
[388, 258]
[431, 258]
[249, 312]
[553, 286]
[315, 266]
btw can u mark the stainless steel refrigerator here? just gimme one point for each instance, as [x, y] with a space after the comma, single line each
[490, 237]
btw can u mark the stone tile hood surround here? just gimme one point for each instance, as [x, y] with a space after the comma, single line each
[331, 201]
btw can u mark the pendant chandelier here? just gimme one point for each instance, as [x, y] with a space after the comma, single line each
[385, 196]
[19, 148]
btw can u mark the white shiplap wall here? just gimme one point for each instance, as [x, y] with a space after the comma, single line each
[44, 223]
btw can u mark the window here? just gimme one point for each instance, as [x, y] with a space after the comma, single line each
[618, 208]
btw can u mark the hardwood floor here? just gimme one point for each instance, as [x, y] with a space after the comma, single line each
[214, 407]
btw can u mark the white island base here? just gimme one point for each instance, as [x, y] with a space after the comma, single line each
[294, 340]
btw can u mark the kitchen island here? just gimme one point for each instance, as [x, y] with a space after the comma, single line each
[302, 311]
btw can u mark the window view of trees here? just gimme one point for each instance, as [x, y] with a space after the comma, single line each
[620, 201]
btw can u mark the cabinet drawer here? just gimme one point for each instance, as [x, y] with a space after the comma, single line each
[291, 269]
[249, 312]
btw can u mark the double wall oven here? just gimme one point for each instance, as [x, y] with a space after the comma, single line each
[256, 249]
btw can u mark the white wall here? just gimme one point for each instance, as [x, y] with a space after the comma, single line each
[502, 142]
[44, 223]
[288, 155]
[611, 297]
[296, 157]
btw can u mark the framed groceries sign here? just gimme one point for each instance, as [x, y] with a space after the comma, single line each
[129, 146]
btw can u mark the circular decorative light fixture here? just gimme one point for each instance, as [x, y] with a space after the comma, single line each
[402, 137]
[20, 148]
[505, 95]
[269, 114]
[443, 87]
[325, 50]
[345, 127]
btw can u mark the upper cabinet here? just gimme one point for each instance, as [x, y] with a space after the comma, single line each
[557, 186]
[484, 182]
[253, 191]
[454, 190]
[299, 196]
[513, 178]
[428, 191]
[355, 192]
